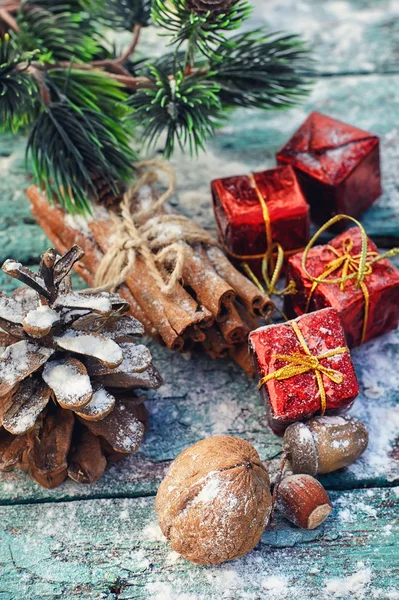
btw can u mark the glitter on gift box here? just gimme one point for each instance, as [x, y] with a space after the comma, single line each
[337, 165]
[304, 368]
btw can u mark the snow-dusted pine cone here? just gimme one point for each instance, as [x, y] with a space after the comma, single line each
[213, 6]
[67, 374]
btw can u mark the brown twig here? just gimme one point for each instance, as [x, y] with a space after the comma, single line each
[114, 64]
[132, 46]
[38, 75]
[11, 6]
[133, 83]
[9, 19]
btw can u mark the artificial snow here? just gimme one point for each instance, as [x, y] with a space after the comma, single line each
[97, 302]
[100, 404]
[42, 317]
[90, 344]
[68, 384]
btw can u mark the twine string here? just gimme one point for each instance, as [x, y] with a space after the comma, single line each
[300, 363]
[159, 240]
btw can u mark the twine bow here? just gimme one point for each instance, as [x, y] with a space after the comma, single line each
[299, 363]
[159, 238]
[354, 267]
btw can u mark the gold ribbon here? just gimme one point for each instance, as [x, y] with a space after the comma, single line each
[299, 363]
[272, 259]
[357, 267]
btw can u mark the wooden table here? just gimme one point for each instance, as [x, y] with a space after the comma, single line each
[103, 541]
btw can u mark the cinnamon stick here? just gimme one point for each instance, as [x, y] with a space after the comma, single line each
[211, 290]
[254, 300]
[176, 311]
[240, 354]
[54, 223]
[215, 345]
[234, 329]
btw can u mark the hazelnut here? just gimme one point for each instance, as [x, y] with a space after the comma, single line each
[215, 500]
[303, 500]
[324, 444]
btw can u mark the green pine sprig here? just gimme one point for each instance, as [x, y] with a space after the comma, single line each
[18, 91]
[83, 103]
[125, 14]
[71, 148]
[198, 31]
[262, 70]
[56, 29]
[186, 108]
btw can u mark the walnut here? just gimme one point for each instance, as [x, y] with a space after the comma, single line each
[215, 500]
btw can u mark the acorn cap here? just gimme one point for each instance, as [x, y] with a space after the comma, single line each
[300, 447]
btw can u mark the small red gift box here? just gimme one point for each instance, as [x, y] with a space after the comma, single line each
[304, 368]
[255, 212]
[337, 165]
[368, 309]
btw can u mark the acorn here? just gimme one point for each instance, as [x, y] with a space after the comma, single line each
[303, 501]
[324, 444]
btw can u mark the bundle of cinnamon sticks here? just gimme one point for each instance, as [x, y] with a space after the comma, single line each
[213, 306]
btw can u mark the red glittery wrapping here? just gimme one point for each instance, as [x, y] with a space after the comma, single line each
[382, 285]
[337, 165]
[298, 398]
[240, 219]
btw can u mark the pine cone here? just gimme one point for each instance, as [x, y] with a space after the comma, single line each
[105, 195]
[213, 6]
[67, 374]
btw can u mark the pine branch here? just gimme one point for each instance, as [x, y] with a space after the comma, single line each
[199, 31]
[82, 99]
[258, 69]
[74, 146]
[125, 14]
[18, 91]
[186, 108]
[57, 30]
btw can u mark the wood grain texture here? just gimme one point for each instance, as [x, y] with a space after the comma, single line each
[113, 549]
[101, 542]
[218, 399]
[349, 36]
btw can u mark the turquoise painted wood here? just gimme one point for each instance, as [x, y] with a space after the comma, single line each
[113, 549]
[218, 399]
[102, 541]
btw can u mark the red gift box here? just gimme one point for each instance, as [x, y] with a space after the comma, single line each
[337, 165]
[248, 208]
[304, 367]
[367, 310]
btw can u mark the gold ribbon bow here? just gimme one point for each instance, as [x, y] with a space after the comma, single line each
[299, 363]
[272, 259]
[358, 266]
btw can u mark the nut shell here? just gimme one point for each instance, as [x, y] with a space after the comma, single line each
[215, 500]
[303, 501]
[301, 449]
[324, 444]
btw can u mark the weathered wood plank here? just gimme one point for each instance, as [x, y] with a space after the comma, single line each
[113, 549]
[205, 401]
[368, 102]
[347, 36]
[252, 138]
